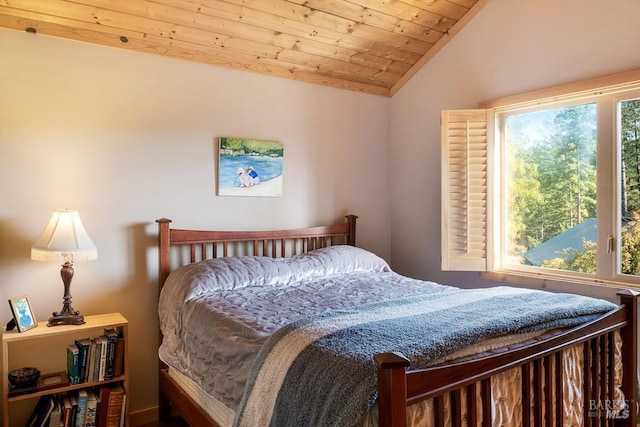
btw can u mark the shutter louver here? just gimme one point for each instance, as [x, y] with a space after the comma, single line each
[464, 190]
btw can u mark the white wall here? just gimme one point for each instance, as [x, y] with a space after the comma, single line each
[126, 138]
[508, 48]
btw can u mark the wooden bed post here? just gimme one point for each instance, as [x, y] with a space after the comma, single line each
[351, 222]
[629, 335]
[392, 389]
[163, 251]
[164, 244]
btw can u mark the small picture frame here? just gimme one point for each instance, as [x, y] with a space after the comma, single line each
[22, 313]
[54, 380]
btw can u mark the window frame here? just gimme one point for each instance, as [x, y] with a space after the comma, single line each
[607, 92]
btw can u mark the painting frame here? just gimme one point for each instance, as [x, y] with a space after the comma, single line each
[22, 313]
[53, 380]
[250, 167]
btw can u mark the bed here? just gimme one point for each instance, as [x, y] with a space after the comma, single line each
[590, 361]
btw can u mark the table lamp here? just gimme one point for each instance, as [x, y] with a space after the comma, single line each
[64, 240]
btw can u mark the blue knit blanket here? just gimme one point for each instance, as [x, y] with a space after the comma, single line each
[320, 371]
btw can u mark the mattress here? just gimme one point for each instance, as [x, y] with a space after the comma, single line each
[216, 315]
[221, 414]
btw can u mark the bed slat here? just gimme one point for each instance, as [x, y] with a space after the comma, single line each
[587, 372]
[456, 408]
[559, 389]
[604, 383]
[525, 372]
[548, 391]
[486, 402]
[472, 404]
[537, 393]
[438, 411]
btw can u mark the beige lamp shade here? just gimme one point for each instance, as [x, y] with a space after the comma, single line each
[64, 239]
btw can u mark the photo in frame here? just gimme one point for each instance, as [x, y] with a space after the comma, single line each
[22, 313]
[53, 380]
[249, 167]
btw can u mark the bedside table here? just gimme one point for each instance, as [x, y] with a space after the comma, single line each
[45, 348]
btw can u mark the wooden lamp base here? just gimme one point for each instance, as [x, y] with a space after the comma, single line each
[68, 315]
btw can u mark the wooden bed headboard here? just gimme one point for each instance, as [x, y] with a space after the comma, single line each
[207, 244]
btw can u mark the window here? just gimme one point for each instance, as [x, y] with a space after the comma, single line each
[546, 184]
[550, 187]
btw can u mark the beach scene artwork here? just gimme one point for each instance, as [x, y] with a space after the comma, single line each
[249, 167]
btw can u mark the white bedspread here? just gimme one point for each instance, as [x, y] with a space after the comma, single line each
[215, 315]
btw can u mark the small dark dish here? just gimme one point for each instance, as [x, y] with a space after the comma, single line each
[23, 377]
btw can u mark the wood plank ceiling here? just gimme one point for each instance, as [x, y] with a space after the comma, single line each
[372, 46]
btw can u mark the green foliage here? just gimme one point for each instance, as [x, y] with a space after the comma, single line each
[585, 261]
[241, 147]
[630, 251]
[630, 136]
[575, 260]
[524, 205]
[552, 186]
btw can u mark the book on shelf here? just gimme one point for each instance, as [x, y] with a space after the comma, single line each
[73, 398]
[56, 413]
[112, 401]
[101, 362]
[67, 410]
[112, 340]
[40, 415]
[72, 364]
[98, 405]
[92, 361]
[118, 362]
[92, 409]
[83, 358]
[95, 375]
[81, 397]
[123, 410]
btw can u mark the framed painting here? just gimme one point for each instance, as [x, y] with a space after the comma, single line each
[22, 313]
[249, 167]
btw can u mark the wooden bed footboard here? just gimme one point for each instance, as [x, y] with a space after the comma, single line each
[398, 388]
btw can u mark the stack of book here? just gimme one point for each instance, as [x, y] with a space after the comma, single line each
[91, 361]
[92, 407]
[96, 359]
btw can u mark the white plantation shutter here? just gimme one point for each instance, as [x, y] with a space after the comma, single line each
[465, 213]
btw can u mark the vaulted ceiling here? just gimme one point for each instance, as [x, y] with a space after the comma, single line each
[372, 46]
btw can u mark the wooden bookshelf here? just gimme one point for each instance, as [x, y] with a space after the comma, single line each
[44, 348]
